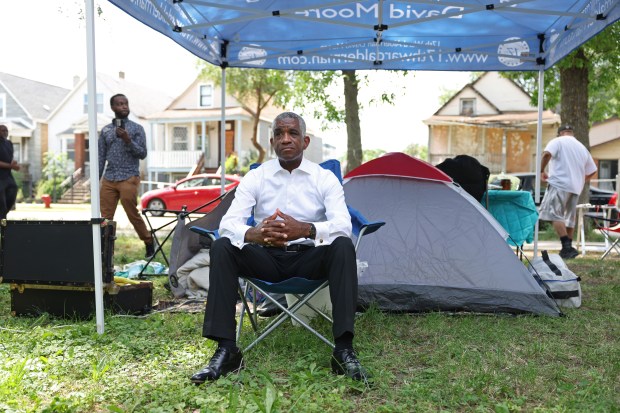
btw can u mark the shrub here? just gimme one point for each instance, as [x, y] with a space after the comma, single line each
[55, 169]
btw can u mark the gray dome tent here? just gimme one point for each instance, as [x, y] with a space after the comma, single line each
[440, 249]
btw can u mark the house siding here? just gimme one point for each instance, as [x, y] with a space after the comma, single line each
[519, 148]
[440, 143]
[501, 134]
[13, 109]
[509, 97]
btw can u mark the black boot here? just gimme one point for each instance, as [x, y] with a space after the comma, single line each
[567, 251]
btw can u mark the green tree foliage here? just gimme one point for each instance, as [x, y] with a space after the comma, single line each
[231, 166]
[251, 157]
[600, 59]
[314, 93]
[584, 85]
[54, 173]
[19, 180]
[370, 154]
[254, 89]
[417, 151]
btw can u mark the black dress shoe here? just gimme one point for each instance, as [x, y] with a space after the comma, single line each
[225, 360]
[346, 362]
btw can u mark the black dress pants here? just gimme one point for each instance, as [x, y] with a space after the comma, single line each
[8, 195]
[336, 262]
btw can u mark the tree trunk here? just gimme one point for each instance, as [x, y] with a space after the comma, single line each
[352, 120]
[254, 139]
[574, 97]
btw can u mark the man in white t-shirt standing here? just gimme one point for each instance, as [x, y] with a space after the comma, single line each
[570, 166]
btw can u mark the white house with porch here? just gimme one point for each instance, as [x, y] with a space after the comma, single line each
[68, 124]
[186, 136]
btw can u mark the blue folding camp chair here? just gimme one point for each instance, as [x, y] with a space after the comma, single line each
[302, 289]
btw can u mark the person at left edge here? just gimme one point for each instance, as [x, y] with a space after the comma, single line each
[8, 187]
[122, 147]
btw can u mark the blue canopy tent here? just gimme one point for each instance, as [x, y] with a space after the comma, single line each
[377, 34]
[455, 35]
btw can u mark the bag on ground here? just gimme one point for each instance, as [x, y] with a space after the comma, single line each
[560, 283]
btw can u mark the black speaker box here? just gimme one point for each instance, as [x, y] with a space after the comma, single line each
[54, 252]
[50, 265]
[79, 302]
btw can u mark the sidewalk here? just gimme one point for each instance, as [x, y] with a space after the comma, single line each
[80, 212]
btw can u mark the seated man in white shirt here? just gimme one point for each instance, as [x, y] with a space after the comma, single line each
[304, 230]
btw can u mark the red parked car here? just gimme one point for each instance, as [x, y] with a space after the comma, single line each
[191, 192]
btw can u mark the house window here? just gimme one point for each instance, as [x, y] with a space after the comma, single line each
[17, 152]
[99, 103]
[179, 138]
[206, 95]
[198, 142]
[70, 151]
[2, 105]
[192, 183]
[468, 107]
[607, 171]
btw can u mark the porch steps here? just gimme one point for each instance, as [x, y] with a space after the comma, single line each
[79, 193]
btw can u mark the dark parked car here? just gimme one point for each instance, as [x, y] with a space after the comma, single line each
[527, 182]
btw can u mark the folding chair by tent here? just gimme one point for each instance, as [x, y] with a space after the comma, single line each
[301, 288]
[607, 227]
[186, 244]
[180, 218]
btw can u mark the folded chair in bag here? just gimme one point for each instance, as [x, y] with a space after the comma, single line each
[561, 284]
[302, 289]
[181, 215]
[186, 244]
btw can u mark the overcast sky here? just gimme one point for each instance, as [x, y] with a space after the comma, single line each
[45, 40]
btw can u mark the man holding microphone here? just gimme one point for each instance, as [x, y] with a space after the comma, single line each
[122, 145]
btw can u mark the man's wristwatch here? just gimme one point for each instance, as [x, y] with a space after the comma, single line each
[312, 232]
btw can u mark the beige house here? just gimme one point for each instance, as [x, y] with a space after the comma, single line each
[492, 120]
[186, 135]
[605, 149]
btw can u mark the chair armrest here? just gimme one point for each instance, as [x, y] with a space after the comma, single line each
[362, 226]
[370, 227]
[212, 234]
[611, 221]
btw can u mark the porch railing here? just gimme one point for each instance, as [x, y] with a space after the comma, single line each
[173, 159]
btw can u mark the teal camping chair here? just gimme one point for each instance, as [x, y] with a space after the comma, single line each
[300, 288]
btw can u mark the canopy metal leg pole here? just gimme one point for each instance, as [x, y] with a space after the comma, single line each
[223, 133]
[91, 75]
[541, 92]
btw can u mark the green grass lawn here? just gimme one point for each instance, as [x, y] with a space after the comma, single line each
[421, 362]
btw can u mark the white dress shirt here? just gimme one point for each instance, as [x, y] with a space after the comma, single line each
[309, 194]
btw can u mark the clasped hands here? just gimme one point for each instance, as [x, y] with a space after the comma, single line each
[276, 230]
